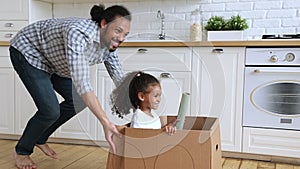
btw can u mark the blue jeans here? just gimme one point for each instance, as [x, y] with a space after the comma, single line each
[50, 114]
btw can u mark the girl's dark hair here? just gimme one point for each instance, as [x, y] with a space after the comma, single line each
[140, 83]
[124, 97]
[98, 12]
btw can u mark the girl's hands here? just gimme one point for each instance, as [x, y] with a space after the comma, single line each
[170, 129]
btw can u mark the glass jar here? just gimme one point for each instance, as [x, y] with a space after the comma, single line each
[195, 27]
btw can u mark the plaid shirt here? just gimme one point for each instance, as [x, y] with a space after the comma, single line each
[67, 47]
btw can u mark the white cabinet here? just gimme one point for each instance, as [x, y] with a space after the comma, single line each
[271, 142]
[14, 10]
[81, 126]
[172, 66]
[6, 100]
[172, 88]
[14, 15]
[24, 106]
[218, 89]
[6, 93]
[84, 124]
[8, 29]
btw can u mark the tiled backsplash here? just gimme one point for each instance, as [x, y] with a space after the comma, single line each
[263, 16]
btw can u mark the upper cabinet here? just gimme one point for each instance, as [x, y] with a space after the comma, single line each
[14, 10]
[16, 14]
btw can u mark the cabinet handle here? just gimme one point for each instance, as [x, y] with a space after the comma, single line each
[218, 50]
[165, 75]
[10, 25]
[8, 35]
[142, 50]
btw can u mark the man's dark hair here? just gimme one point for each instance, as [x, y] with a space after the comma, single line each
[98, 12]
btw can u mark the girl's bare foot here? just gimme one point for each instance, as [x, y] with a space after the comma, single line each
[24, 161]
[47, 150]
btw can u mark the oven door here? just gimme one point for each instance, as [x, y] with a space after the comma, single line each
[272, 97]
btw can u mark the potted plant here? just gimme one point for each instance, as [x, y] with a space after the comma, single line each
[220, 29]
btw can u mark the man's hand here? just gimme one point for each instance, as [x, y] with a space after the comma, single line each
[110, 130]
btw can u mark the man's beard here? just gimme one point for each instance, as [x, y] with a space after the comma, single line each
[112, 50]
[110, 42]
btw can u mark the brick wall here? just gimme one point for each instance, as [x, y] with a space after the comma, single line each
[263, 16]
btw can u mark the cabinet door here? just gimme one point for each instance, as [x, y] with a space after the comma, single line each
[272, 142]
[6, 101]
[14, 9]
[217, 91]
[6, 93]
[83, 125]
[173, 84]
[24, 106]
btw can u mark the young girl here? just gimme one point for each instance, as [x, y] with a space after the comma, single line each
[144, 95]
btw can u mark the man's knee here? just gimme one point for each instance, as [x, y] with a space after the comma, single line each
[51, 113]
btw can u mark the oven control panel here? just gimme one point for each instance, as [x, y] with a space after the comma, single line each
[273, 56]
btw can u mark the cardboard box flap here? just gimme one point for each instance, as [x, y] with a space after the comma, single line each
[197, 146]
[195, 123]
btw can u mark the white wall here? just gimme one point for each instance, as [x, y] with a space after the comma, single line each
[263, 16]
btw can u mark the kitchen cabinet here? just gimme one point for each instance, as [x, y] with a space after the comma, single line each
[14, 10]
[218, 89]
[81, 126]
[7, 93]
[273, 142]
[24, 106]
[172, 88]
[175, 77]
[14, 15]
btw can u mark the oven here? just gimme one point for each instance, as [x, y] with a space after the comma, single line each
[272, 88]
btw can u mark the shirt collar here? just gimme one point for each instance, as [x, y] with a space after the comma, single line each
[97, 38]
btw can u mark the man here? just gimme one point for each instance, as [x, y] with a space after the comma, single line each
[54, 55]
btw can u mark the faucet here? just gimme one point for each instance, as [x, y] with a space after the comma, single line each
[161, 16]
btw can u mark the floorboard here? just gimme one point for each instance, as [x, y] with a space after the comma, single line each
[94, 157]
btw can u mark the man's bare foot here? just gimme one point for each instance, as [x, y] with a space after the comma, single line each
[24, 161]
[47, 150]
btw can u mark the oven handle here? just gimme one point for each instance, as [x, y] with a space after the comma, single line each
[274, 71]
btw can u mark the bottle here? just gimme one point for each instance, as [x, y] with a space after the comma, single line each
[195, 27]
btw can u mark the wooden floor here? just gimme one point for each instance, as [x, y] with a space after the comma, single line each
[92, 157]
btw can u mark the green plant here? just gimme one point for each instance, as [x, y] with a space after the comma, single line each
[218, 23]
[215, 23]
[236, 23]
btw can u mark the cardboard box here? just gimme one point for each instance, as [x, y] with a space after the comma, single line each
[198, 146]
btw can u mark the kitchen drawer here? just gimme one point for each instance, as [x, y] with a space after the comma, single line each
[7, 35]
[271, 142]
[12, 25]
[155, 58]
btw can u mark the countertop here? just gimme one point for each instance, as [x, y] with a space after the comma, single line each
[249, 43]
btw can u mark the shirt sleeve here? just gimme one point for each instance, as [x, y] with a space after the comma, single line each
[114, 68]
[75, 44]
